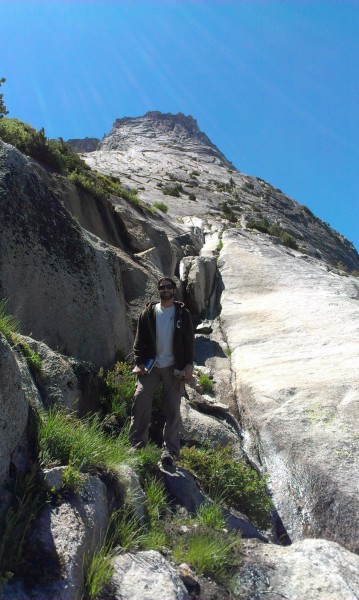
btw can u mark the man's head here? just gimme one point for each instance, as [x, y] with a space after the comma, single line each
[167, 288]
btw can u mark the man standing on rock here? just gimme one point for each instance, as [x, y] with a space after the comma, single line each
[164, 352]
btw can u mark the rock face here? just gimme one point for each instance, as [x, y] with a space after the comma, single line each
[293, 328]
[311, 570]
[144, 576]
[281, 341]
[84, 145]
[64, 285]
[13, 407]
[64, 538]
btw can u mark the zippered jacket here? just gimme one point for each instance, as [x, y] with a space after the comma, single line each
[183, 337]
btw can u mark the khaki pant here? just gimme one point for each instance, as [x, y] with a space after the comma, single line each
[173, 389]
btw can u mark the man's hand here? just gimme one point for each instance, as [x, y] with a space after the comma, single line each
[139, 370]
[188, 370]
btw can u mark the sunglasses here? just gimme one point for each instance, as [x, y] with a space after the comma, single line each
[169, 286]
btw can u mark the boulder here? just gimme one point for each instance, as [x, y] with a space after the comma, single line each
[202, 428]
[306, 570]
[199, 274]
[13, 408]
[57, 381]
[145, 576]
[63, 539]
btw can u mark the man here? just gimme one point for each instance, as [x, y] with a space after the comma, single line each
[164, 333]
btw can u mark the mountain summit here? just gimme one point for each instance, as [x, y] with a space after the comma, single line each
[157, 131]
[167, 158]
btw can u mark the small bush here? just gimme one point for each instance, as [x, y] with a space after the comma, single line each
[89, 183]
[206, 384]
[219, 246]
[192, 196]
[288, 240]
[161, 206]
[172, 190]
[72, 480]
[117, 388]
[240, 485]
[259, 224]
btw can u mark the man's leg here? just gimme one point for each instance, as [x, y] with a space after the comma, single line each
[142, 407]
[173, 389]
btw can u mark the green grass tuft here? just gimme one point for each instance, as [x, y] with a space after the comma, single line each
[206, 384]
[212, 554]
[98, 571]
[210, 515]
[156, 500]
[64, 439]
[9, 325]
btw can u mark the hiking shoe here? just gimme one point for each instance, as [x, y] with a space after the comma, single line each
[167, 458]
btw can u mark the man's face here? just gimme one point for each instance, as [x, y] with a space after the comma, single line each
[166, 290]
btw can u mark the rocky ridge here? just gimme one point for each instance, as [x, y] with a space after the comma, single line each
[279, 340]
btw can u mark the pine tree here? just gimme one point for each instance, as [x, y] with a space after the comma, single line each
[3, 110]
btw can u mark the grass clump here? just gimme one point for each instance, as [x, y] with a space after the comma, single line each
[64, 439]
[117, 388]
[33, 359]
[156, 500]
[98, 570]
[210, 515]
[126, 530]
[147, 461]
[161, 206]
[212, 554]
[241, 486]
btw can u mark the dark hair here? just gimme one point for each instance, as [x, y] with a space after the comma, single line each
[159, 282]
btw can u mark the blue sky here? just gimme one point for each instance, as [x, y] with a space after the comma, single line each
[274, 84]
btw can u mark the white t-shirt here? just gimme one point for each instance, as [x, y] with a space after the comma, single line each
[165, 324]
